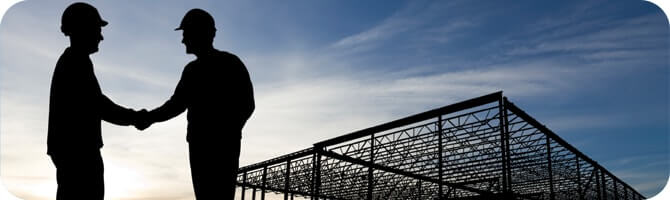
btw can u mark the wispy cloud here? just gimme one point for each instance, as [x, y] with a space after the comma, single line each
[407, 23]
[640, 33]
[646, 173]
[397, 23]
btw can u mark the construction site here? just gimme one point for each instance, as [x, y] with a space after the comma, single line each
[481, 148]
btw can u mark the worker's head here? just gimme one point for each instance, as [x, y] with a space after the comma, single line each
[198, 31]
[82, 23]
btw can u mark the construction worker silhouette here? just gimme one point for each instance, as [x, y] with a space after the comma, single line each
[217, 91]
[77, 106]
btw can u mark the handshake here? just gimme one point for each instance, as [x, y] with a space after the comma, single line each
[142, 119]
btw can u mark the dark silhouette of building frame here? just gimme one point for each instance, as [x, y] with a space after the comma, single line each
[488, 149]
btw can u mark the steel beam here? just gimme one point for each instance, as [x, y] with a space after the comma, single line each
[414, 118]
[400, 172]
[510, 106]
[478, 151]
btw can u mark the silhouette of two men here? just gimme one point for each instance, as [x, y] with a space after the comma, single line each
[215, 88]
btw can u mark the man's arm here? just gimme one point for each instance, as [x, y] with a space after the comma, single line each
[247, 103]
[115, 114]
[175, 105]
[244, 104]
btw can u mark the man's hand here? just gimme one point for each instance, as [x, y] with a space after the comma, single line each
[142, 120]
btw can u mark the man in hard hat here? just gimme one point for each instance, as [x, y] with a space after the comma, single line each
[77, 106]
[217, 91]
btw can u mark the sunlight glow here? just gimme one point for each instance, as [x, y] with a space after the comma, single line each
[122, 181]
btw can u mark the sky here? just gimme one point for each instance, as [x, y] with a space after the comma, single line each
[594, 72]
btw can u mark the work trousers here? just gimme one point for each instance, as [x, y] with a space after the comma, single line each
[79, 175]
[214, 168]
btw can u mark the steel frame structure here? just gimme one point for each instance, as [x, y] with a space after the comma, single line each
[482, 148]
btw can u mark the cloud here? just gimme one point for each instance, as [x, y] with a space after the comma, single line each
[636, 34]
[406, 23]
[397, 23]
[302, 113]
[646, 173]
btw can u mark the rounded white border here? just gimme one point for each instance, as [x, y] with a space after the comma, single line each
[665, 193]
[4, 6]
[663, 4]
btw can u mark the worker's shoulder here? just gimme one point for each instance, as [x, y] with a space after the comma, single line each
[66, 57]
[226, 55]
[70, 60]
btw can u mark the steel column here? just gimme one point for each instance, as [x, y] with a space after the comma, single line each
[370, 168]
[420, 192]
[600, 195]
[616, 193]
[508, 153]
[579, 179]
[264, 184]
[549, 168]
[503, 148]
[317, 185]
[625, 193]
[312, 180]
[440, 147]
[287, 179]
[244, 183]
[604, 185]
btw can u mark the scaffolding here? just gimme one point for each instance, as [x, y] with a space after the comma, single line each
[482, 148]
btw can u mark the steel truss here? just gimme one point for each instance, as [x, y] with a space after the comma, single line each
[482, 148]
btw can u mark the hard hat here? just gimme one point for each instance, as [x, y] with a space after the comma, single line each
[79, 15]
[197, 19]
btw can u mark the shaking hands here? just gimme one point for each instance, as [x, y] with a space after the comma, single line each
[142, 120]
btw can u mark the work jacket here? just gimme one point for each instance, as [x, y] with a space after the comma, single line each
[217, 92]
[77, 106]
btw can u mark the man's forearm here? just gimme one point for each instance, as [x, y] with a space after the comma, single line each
[169, 110]
[116, 114]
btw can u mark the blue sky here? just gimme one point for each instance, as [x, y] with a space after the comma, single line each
[595, 72]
